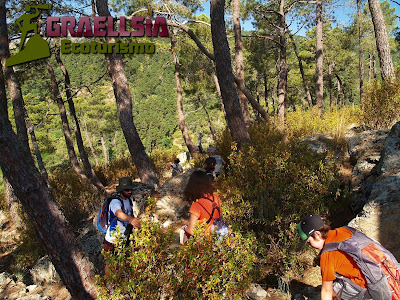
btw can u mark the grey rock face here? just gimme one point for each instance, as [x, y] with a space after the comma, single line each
[380, 216]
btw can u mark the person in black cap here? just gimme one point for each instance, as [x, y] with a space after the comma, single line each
[314, 232]
[120, 214]
[209, 165]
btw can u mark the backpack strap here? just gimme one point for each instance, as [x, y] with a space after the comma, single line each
[212, 212]
[330, 247]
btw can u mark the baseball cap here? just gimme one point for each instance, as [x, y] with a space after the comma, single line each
[307, 227]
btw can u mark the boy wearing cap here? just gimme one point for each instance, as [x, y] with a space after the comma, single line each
[316, 233]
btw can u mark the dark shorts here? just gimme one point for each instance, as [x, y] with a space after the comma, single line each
[107, 246]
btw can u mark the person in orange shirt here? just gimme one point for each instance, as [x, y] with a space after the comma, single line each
[341, 277]
[206, 206]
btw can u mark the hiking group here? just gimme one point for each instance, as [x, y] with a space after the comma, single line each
[353, 266]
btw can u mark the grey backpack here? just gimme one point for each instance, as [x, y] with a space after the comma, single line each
[378, 265]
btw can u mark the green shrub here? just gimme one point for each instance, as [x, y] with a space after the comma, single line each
[381, 105]
[121, 166]
[335, 122]
[77, 200]
[152, 266]
[271, 186]
[159, 159]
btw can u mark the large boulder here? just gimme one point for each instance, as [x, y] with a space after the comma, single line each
[380, 216]
[364, 147]
[170, 205]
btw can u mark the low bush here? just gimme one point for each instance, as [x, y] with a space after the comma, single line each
[381, 104]
[271, 185]
[153, 267]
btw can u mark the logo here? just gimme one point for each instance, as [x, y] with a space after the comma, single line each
[36, 47]
[100, 26]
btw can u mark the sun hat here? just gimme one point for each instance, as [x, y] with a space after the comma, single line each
[307, 227]
[125, 183]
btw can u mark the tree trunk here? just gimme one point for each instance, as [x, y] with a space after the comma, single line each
[330, 84]
[234, 116]
[374, 71]
[64, 120]
[215, 79]
[339, 92]
[124, 105]
[105, 151]
[90, 143]
[179, 101]
[305, 85]
[266, 92]
[282, 76]
[36, 149]
[12, 82]
[340, 83]
[239, 60]
[381, 38]
[78, 135]
[360, 51]
[319, 66]
[209, 122]
[76, 272]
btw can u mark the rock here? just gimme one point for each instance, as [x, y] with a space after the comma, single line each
[170, 205]
[380, 216]
[365, 151]
[256, 292]
[44, 272]
[319, 143]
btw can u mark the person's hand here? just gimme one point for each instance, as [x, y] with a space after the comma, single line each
[136, 223]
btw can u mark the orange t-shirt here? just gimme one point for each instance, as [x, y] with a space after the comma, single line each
[340, 262]
[203, 208]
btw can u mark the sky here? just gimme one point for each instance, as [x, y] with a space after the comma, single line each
[342, 14]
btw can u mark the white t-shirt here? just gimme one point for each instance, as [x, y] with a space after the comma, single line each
[115, 223]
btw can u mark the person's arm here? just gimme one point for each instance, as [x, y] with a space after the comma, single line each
[192, 221]
[135, 222]
[327, 292]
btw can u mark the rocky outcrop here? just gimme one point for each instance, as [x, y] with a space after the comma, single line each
[380, 216]
[364, 147]
[170, 206]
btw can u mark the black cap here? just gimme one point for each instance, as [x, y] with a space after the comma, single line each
[307, 227]
[125, 183]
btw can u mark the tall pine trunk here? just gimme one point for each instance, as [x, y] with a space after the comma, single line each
[282, 75]
[382, 41]
[76, 272]
[303, 77]
[239, 60]
[319, 66]
[234, 116]
[124, 105]
[64, 121]
[360, 50]
[78, 135]
[179, 100]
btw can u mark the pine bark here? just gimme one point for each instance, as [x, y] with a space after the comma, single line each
[105, 151]
[319, 66]
[215, 79]
[234, 116]
[90, 143]
[124, 105]
[239, 60]
[283, 71]
[303, 77]
[75, 122]
[76, 272]
[360, 50]
[64, 120]
[382, 41]
[179, 100]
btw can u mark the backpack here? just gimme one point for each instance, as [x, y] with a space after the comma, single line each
[175, 169]
[219, 225]
[103, 215]
[377, 264]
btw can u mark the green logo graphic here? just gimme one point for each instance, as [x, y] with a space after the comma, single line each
[36, 47]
